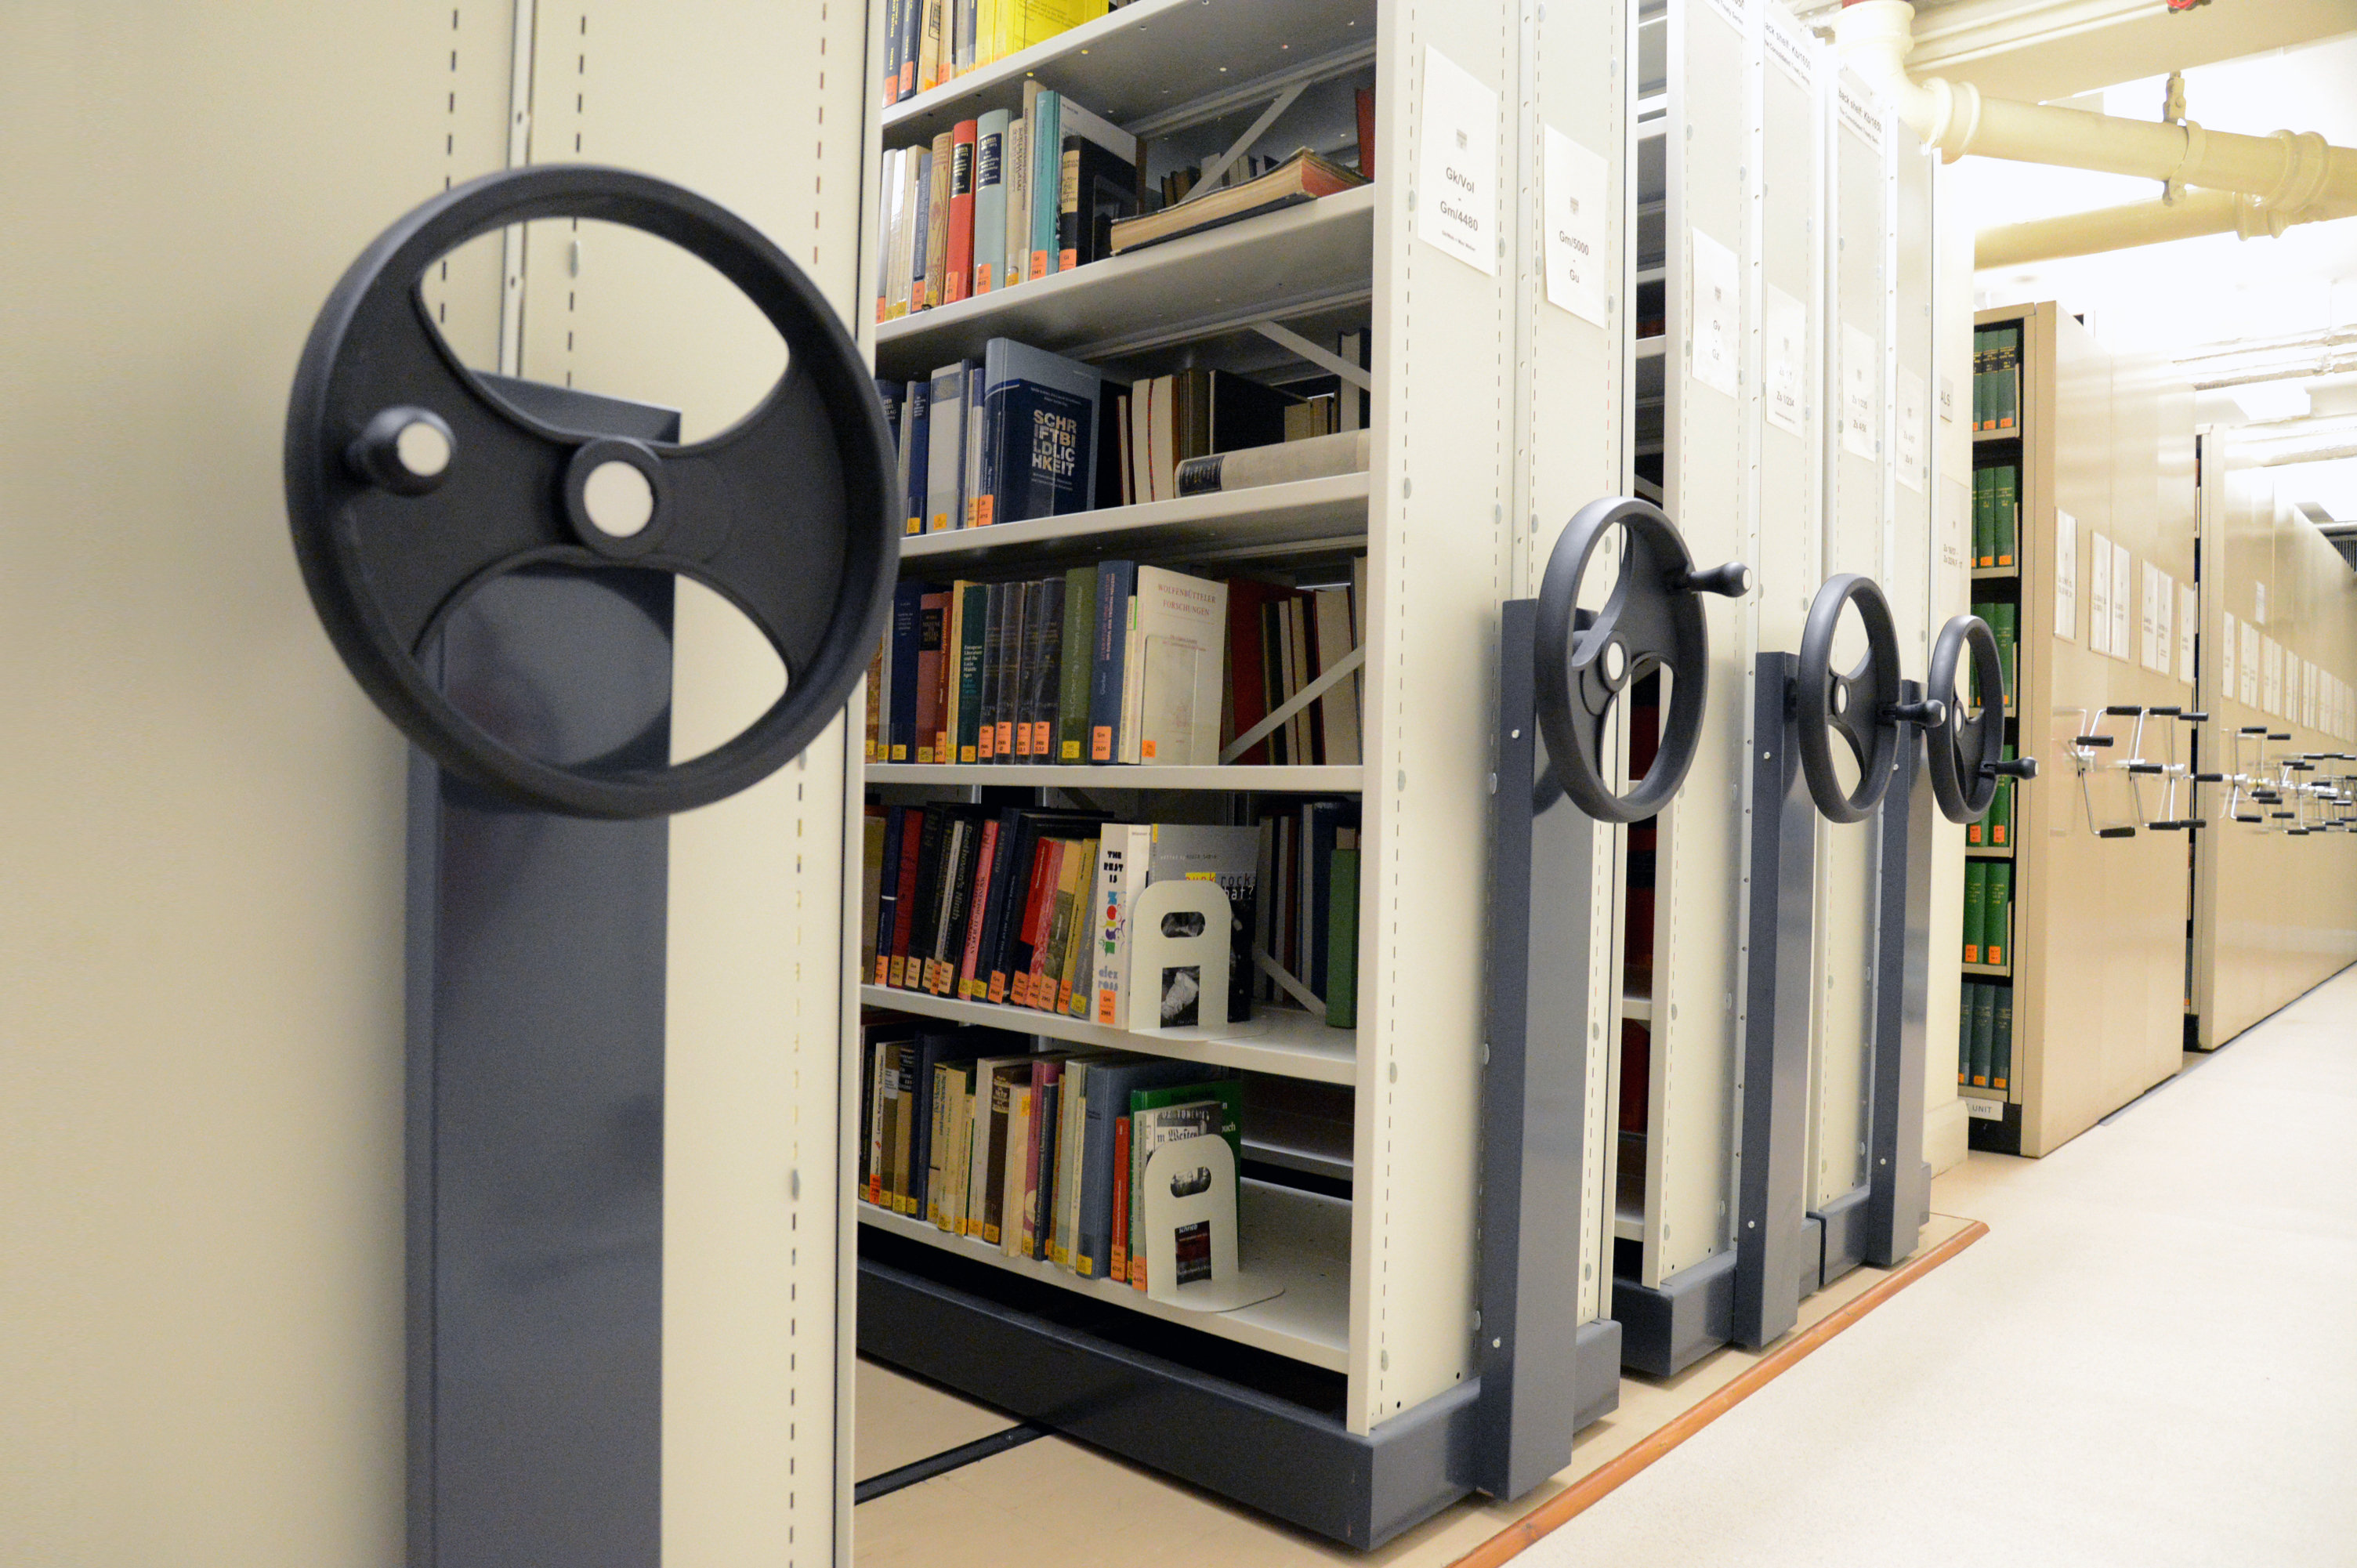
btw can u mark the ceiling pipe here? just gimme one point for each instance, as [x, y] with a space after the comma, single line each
[2287, 177]
[2194, 213]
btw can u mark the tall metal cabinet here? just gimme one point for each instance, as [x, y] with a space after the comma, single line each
[1495, 414]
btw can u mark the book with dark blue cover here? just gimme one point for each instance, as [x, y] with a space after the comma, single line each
[1040, 431]
[1106, 1102]
[908, 607]
[914, 454]
[1116, 582]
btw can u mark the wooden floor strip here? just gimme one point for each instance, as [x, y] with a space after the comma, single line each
[1576, 1499]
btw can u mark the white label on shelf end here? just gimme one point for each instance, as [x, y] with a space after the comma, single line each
[1786, 329]
[1456, 167]
[1981, 1110]
[1576, 250]
[1911, 430]
[1718, 311]
[2066, 576]
[1861, 368]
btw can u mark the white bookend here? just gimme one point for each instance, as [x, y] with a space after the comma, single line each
[1179, 935]
[1190, 1212]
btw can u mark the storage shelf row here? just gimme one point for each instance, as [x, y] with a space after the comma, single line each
[1320, 779]
[1281, 1041]
[1303, 515]
[1301, 1240]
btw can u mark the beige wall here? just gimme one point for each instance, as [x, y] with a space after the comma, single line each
[200, 1016]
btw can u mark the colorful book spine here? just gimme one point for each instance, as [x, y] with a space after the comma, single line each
[989, 200]
[1975, 907]
[1997, 915]
[957, 274]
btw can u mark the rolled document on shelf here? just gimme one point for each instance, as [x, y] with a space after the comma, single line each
[1313, 458]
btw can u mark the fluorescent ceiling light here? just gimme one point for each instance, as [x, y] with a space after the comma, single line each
[2263, 402]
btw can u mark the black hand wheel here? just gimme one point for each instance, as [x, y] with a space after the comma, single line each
[1653, 620]
[1862, 708]
[1963, 753]
[409, 485]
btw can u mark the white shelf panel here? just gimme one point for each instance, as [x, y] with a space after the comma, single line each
[1298, 780]
[1301, 1238]
[1295, 259]
[1275, 1040]
[1139, 63]
[1637, 1009]
[1262, 519]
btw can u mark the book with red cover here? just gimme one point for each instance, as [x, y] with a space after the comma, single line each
[960, 282]
[932, 635]
[985, 864]
[1247, 664]
[1039, 890]
[1366, 105]
[904, 909]
[1120, 1270]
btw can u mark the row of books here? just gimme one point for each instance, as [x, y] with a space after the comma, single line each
[1984, 1035]
[1996, 376]
[1039, 1155]
[1996, 513]
[1030, 908]
[1024, 434]
[2003, 618]
[1993, 828]
[1988, 911]
[1116, 663]
[1002, 199]
[929, 42]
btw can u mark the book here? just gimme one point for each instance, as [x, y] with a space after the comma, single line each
[1042, 671]
[1970, 999]
[1014, 259]
[902, 1088]
[1997, 915]
[1975, 907]
[1181, 622]
[1284, 462]
[2005, 504]
[893, 11]
[1047, 152]
[1102, 1103]
[969, 957]
[1363, 101]
[908, 607]
[1097, 188]
[1230, 857]
[1983, 1034]
[914, 456]
[964, 37]
[945, 449]
[937, 214]
[929, 47]
[973, 631]
[1303, 177]
[1021, 1103]
[989, 243]
[1984, 517]
[1338, 710]
[920, 216]
[1040, 433]
[910, 46]
[2006, 621]
[1159, 1116]
[1119, 1249]
[888, 893]
[1245, 702]
[977, 423]
[933, 638]
[2001, 1037]
[1108, 678]
[1341, 988]
[957, 269]
[1003, 1078]
[1070, 743]
[871, 883]
[1123, 852]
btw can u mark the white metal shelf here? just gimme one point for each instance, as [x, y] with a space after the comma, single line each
[1337, 779]
[1298, 258]
[1301, 1239]
[1264, 520]
[1280, 1041]
[1154, 65]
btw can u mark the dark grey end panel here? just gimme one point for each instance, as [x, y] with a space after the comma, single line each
[1598, 1381]
[1846, 1220]
[1292, 1460]
[1900, 1189]
[1771, 1184]
[535, 1114]
[1533, 1096]
[1664, 1331]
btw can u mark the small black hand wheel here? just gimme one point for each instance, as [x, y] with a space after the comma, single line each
[1653, 620]
[1963, 753]
[1861, 707]
[409, 486]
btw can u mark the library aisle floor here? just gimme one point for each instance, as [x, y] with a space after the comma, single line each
[2148, 1358]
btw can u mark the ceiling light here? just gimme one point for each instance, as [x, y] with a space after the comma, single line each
[2263, 402]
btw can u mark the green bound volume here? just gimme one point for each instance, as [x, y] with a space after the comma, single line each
[1981, 378]
[2006, 625]
[1983, 1034]
[1964, 1032]
[1079, 637]
[1996, 914]
[2001, 1039]
[2005, 510]
[1976, 906]
[2001, 810]
[974, 631]
[2007, 366]
[1342, 941]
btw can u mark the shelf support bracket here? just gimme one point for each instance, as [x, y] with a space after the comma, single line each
[1206, 182]
[1293, 704]
[1324, 358]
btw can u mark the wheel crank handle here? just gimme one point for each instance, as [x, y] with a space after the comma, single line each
[2011, 768]
[1928, 713]
[1731, 580]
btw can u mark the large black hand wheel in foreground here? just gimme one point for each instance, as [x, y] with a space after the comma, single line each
[1965, 755]
[409, 486]
[1653, 620]
[1862, 708]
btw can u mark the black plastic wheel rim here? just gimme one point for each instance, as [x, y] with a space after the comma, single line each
[1962, 754]
[1858, 706]
[1652, 621]
[790, 513]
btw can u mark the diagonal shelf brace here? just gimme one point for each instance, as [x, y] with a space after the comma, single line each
[1293, 704]
[1208, 181]
[1324, 358]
